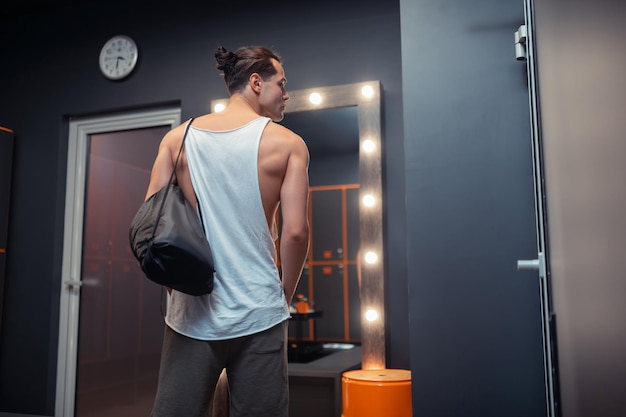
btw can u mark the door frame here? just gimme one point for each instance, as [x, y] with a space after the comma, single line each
[77, 158]
[542, 261]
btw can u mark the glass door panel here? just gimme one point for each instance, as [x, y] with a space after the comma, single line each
[121, 323]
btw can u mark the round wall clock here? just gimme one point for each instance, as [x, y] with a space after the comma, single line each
[118, 57]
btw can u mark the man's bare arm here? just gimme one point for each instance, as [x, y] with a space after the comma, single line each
[162, 167]
[294, 241]
[161, 170]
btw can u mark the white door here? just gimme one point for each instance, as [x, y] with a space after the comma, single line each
[110, 314]
[525, 50]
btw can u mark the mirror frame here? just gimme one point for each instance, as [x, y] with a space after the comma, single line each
[370, 263]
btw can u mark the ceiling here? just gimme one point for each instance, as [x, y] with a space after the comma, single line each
[15, 8]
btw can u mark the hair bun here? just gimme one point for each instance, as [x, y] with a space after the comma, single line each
[225, 59]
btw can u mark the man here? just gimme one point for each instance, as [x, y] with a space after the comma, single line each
[241, 166]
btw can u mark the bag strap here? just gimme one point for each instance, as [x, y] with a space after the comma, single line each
[169, 183]
[182, 144]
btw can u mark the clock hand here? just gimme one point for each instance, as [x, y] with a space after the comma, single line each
[117, 63]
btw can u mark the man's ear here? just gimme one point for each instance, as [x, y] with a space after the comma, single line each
[256, 82]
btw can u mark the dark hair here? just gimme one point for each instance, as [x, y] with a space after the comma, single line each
[239, 65]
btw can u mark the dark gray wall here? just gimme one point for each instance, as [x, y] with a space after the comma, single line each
[49, 73]
[476, 343]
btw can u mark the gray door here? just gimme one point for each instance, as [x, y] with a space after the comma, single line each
[475, 321]
[111, 321]
[121, 324]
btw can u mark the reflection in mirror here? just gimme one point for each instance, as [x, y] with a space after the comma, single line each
[330, 277]
[342, 128]
[332, 136]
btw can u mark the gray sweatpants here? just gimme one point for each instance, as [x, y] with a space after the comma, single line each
[256, 366]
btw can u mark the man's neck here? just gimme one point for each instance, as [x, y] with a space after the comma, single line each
[240, 103]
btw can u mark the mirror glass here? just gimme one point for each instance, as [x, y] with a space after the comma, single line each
[329, 283]
[332, 136]
[343, 280]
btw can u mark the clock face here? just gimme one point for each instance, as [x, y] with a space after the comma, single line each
[118, 57]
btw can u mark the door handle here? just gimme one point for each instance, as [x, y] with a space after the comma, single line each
[532, 265]
[72, 283]
[536, 265]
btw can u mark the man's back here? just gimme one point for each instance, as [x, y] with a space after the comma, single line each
[247, 297]
[277, 149]
[282, 164]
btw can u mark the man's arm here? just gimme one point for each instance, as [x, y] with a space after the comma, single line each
[294, 240]
[162, 167]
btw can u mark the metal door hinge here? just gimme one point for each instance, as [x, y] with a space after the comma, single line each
[520, 43]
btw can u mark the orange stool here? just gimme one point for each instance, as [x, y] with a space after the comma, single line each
[377, 393]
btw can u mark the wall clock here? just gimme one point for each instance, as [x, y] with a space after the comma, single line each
[118, 57]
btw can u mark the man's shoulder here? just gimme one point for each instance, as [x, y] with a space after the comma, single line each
[174, 136]
[282, 133]
[177, 131]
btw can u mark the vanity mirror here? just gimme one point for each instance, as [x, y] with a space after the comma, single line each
[343, 123]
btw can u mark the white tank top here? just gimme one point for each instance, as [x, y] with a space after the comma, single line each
[247, 295]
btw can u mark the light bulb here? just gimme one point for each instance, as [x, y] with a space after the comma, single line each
[315, 98]
[219, 107]
[371, 315]
[367, 91]
[369, 200]
[368, 145]
[371, 257]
